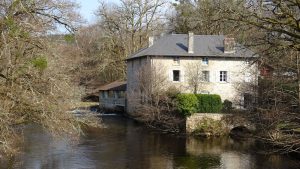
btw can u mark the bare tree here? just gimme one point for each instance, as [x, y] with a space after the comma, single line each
[132, 21]
[33, 88]
[196, 76]
[153, 105]
[278, 45]
[278, 22]
[203, 17]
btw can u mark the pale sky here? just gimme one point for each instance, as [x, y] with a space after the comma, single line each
[88, 8]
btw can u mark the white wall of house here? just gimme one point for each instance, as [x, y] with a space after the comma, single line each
[240, 74]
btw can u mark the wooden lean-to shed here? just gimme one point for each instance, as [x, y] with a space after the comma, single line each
[112, 96]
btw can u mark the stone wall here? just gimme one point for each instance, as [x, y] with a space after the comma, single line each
[229, 121]
[193, 120]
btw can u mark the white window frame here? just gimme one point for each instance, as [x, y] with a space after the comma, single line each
[223, 76]
[204, 92]
[208, 76]
[179, 78]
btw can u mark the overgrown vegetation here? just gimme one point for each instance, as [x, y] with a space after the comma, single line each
[34, 82]
[209, 127]
[227, 106]
[154, 101]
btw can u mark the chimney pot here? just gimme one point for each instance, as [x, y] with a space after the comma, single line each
[191, 43]
[151, 41]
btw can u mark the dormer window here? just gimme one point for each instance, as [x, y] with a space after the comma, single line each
[176, 61]
[205, 61]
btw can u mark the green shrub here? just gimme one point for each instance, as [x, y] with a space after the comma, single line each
[187, 104]
[40, 63]
[209, 103]
[227, 106]
[70, 38]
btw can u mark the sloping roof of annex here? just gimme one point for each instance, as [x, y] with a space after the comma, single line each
[113, 86]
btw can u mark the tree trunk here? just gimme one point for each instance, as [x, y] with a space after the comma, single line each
[298, 74]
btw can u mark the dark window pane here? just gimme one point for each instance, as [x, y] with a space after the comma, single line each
[176, 75]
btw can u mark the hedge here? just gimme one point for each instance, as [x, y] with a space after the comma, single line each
[209, 103]
[187, 104]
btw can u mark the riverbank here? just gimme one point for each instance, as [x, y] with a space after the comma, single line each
[125, 143]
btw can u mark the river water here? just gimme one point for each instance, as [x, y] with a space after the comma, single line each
[124, 144]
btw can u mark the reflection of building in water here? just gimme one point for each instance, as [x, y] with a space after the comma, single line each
[235, 160]
[218, 149]
[151, 150]
[197, 147]
[160, 162]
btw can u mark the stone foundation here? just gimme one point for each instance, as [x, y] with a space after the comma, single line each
[229, 121]
[193, 120]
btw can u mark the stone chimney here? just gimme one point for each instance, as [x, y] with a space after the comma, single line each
[151, 41]
[229, 45]
[191, 43]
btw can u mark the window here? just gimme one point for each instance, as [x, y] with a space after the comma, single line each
[205, 61]
[117, 94]
[176, 61]
[102, 95]
[122, 94]
[205, 76]
[223, 76]
[110, 94]
[105, 94]
[176, 75]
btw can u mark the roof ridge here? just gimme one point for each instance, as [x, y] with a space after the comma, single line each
[194, 34]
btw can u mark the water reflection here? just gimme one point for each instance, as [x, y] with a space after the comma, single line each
[127, 145]
[218, 153]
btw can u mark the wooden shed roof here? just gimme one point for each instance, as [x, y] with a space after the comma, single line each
[114, 86]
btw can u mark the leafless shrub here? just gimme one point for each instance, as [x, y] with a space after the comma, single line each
[34, 86]
[154, 104]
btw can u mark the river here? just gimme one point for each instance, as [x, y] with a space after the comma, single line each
[125, 144]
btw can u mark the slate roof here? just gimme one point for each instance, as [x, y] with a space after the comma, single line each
[204, 45]
[115, 86]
